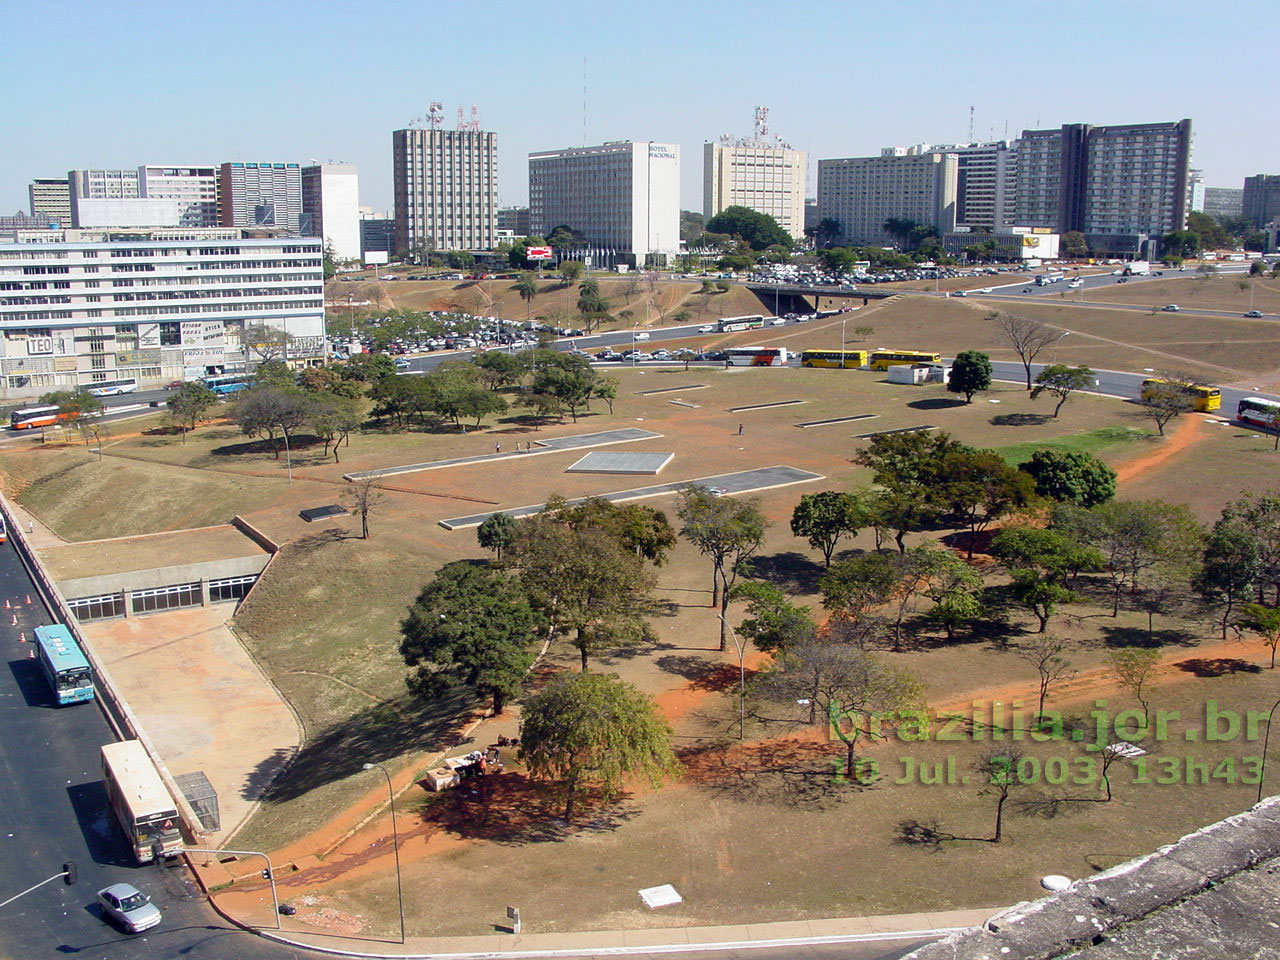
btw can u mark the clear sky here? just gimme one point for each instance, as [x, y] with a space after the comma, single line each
[112, 84]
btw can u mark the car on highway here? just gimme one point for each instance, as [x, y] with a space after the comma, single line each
[707, 328]
[1254, 314]
[985, 290]
[639, 357]
[641, 335]
[402, 363]
[778, 322]
[717, 491]
[1171, 308]
[608, 355]
[959, 293]
[129, 907]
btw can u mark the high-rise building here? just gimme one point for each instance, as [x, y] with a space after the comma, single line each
[986, 184]
[622, 196]
[377, 233]
[1223, 201]
[101, 185]
[446, 188]
[261, 195]
[766, 177]
[51, 198]
[195, 187]
[1260, 199]
[1195, 192]
[1118, 185]
[331, 195]
[907, 183]
[514, 219]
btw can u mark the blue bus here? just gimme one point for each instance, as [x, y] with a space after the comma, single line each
[64, 663]
[231, 383]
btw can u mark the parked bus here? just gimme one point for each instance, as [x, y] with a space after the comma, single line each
[845, 359]
[64, 664]
[756, 356]
[1204, 398]
[232, 383]
[1258, 411]
[33, 417]
[111, 388]
[884, 359]
[143, 807]
[734, 324]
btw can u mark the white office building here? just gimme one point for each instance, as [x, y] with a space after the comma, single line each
[261, 195]
[446, 189]
[331, 197]
[768, 178]
[904, 183]
[196, 187]
[79, 307]
[623, 196]
[129, 212]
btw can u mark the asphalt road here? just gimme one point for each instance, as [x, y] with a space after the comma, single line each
[53, 808]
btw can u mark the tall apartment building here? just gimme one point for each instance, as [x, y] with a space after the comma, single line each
[261, 195]
[1118, 185]
[195, 187]
[91, 305]
[768, 178]
[331, 195]
[1224, 201]
[986, 184]
[51, 197]
[100, 185]
[446, 188]
[1195, 192]
[861, 193]
[1260, 199]
[623, 196]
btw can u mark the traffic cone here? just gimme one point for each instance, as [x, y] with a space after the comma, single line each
[7, 604]
[31, 654]
[22, 638]
[14, 622]
[28, 599]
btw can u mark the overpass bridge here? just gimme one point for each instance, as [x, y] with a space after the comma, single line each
[780, 298]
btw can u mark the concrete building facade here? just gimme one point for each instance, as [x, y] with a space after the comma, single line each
[129, 212]
[377, 233]
[623, 196]
[331, 195]
[79, 307]
[51, 199]
[261, 195]
[861, 193]
[446, 188]
[1223, 201]
[764, 177]
[196, 187]
[1260, 199]
[515, 220]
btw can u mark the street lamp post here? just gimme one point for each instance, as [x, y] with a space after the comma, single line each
[1055, 345]
[395, 841]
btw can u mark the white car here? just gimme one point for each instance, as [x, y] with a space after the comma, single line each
[778, 322]
[642, 335]
[707, 328]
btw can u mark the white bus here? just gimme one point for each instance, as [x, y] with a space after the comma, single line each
[735, 324]
[111, 388]
[143, 806]
[756, 356]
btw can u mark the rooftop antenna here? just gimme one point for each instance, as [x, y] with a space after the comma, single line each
[584, 100]
[461, 120]
[971, 123]
[762, 123]
[435, 114]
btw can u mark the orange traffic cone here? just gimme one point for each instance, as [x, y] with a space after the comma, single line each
[8, 605]
[22, 638]
[31, 654]
[28, 599]
[14, 622]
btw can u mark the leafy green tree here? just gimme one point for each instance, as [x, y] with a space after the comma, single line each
[773, 623]
[1258, 515]
[1209, 230]
[497, 532]
[469, 626]
[570, 271]
[970, 374]
[594, 730]
[265, 411]
[368, 368]
[980, 488]
[759, 230]
[564, 235]
[459, 260]
[189, 404]
[606, 389]
[1051, 552]
[1062, 381]
[401, 398]
[906, 466]
[953, 587]
[1073, 245]
[274, 373]
[1231, 569]
[825, 518]
[572, 388]
[999, 768]
[500, 369]
[726, 530]
[1181, 243]
[1071, 477]
[75, 404]
[638, 529]
[1164, 401]
[828, 230]
[1039, 593]
[1264, 621]
[852, 588]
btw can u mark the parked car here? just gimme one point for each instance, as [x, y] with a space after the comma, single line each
[129, 907]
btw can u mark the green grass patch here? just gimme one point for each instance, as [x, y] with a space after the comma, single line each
[1086, 441]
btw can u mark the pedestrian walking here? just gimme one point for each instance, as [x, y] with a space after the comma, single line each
[739, 429]
[497, 447]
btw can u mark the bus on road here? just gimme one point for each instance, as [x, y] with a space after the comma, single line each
[1203, 398]
[111, 388]
[845, 359]
[756, 356]
[64, 664]
[1258, 411]
[142, 805]
[1047, 278]
[884, 359]
[734, 324]
[33, 417]
[232, 383]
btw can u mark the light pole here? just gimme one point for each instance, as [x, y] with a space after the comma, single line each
[395, 841]
[268, 874]
[1262, 773]
[1065, 334]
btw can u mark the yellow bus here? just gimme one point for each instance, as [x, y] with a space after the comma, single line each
[844, 359]
[884, 359]
[1204, 398]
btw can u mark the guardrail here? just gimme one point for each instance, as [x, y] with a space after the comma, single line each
[121, 718]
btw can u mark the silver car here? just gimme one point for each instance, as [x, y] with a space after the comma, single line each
[130, 907]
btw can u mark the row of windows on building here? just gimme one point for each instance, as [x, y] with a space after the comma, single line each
[171, 597]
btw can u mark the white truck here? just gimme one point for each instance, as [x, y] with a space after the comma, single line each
[1138, 268]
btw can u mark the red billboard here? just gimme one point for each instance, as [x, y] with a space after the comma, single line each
[538, 253]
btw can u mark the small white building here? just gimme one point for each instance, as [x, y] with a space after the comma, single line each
[331, 195]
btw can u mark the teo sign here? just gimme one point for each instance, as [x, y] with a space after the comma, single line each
[538, 253]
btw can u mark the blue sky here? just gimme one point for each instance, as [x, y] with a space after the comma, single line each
[112, 84]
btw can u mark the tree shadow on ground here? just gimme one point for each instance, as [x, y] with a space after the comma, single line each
[960, 539]
[1123, 636]
[1020, 419]
[1217, 666]
[376, 734]
[704, 674]
[937, 403]
[791, 571]
[786, 772]
[321, 538]
[510, 808]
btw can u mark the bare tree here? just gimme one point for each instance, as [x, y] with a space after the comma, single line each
[1044, 652]
[1028, 337]
[361, 498]
[1163, 401]
[268, 342]
[1133, 668]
